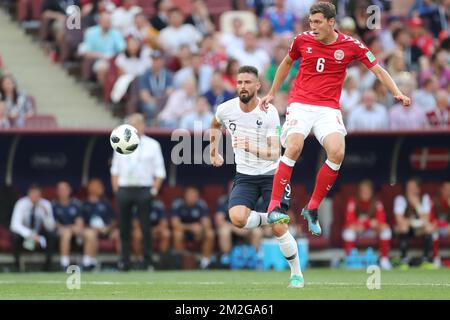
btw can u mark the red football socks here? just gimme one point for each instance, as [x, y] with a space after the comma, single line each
[280, 180]
[324, 181]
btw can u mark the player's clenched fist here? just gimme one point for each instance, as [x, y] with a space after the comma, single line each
[406, 101]
[216, 159]
[264, 102]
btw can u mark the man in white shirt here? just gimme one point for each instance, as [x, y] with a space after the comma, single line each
[33, 226]
[176, 34]
[123, 17]
[369, 115]
[256, 146]
[136, 178]
[250, 54]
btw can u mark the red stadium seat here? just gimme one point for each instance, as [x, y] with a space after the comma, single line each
[387, 195]
[5, 239]
[170, 193]
[212, 193]
[49, 192]
[107, 245]
[432, 188]
[41, 121]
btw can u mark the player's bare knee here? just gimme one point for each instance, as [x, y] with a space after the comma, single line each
[238, 218]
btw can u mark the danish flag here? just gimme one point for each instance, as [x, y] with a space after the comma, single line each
[434, 158]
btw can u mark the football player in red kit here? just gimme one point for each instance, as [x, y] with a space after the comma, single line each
[365, 217]
[314, 102]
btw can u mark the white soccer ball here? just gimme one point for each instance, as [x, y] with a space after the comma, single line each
[124, 139]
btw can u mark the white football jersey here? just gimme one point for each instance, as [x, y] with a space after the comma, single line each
[256, 126]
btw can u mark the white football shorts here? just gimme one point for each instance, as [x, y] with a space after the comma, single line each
[302, 118]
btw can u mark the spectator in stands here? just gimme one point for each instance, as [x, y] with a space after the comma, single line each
[54, 13]
[350, 96]
[200, 18]
[411, 53]
[396, 64]
[282, 20]
[413, 219]
[217, 94]
[421, 37]
[250, 54]
[148, 34]
[33, 226]
[365, 217]
[100, 44]
[230, 75]
[280, 53]
[159, 229]
[212, 54]
[299, 8]
[201, 72]
[227, 233]
[136, 178]
[190, 218]
[18, 104]
[259, 6]
[179, 103]
[69, 221]
[347, 26]
[122, 18]
[99, 221]
[386, 34]
[363, 77]
[4, 120]
[439, 117]
[266, 38]
[369, 115]
[130, 64]
[384, 96]
[172, 37]
[437, 16]
[441, 209]
[412, 117]
[424, 97]
[198, 119]
[233, 39]
[438, 67]
[161, 19]
[155, 85]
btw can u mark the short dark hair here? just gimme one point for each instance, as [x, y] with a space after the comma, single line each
[34, 186]
[248, 69]
[326, 8]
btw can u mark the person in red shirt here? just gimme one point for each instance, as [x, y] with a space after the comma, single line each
[441, 212]
[365, 217]
[314, 103]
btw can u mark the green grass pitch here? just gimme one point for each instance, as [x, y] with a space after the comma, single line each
[248, 285]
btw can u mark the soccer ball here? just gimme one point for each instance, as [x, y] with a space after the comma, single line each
[124, 139]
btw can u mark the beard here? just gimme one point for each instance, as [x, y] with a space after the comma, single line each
[246, 99]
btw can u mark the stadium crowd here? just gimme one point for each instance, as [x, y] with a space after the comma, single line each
[66, 223]
[164, 64]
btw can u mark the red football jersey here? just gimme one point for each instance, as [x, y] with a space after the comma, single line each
[323, 67]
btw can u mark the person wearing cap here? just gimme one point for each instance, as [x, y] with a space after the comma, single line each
[421, 37]
[155, 85]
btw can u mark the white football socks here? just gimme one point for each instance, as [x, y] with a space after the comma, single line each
[256, 219]
[289, 248]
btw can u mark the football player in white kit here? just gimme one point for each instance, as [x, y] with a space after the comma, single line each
[256, 145]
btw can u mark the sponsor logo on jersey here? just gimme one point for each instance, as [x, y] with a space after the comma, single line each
[259, 123]
[339, 54]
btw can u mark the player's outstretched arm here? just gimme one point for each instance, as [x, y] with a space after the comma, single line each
[214, 137]
[387, 80]
[280, 75]
[271, 152]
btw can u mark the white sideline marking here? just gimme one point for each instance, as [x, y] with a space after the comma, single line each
[110, 283]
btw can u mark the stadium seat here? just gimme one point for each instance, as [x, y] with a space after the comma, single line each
[107, 245]
[387, 195]
[49, 192]
[170, 193]
[5, 239]
[212, 193]
[299, 197]
[432, 188]
[41, 121]
[248, 18]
